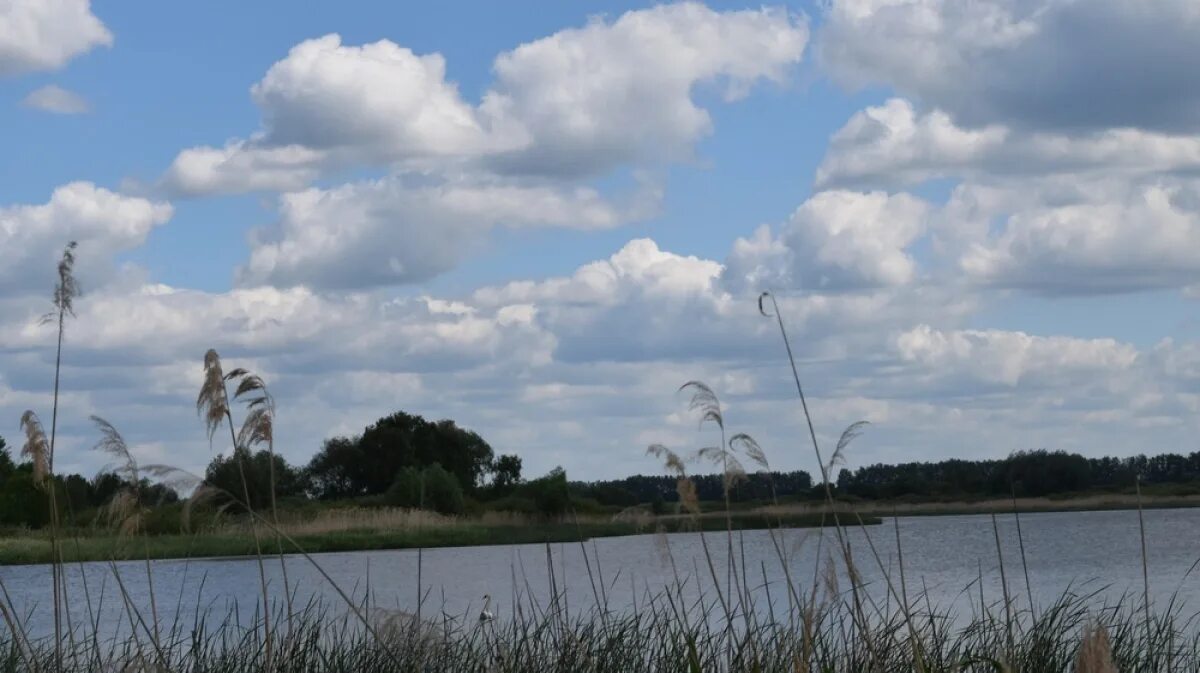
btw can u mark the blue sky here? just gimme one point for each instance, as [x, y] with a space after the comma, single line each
[540, 218]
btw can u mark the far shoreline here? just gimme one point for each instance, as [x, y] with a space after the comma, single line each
[35, 549]
[88, 546]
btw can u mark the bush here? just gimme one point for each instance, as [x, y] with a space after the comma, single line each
[432, 488]
[512, 503]
[549, 493]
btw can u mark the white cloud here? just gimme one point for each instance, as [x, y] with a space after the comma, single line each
[580, 102]
[103, 222]
[590, 360]
[1040, 64]
[379, 98]
[387, 231]
[45, 34]
[55, 99]
[588, 99]
[835, 240]
[237, 168]
[1106, 237]
[997, 357]
[893, 145]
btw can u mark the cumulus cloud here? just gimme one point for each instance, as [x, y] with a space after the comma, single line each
[580, 102]
[591, 359]
[238, 167]
[998, 357]
[614, 339]
[103, 222]
[895, 145]
[387, 231]
[1044, 64]
[45, 34]
[836, 240]
[585, 100]
[1110, 238]
[55, 99]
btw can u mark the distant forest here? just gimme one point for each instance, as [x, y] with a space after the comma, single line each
[1024, 474]
[404, 460]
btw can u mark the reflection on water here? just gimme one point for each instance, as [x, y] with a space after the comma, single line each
[942, 555]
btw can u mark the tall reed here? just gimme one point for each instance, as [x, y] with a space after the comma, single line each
[212, 404]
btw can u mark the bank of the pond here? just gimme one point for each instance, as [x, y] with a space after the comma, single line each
[36, 547]
[1063, 503]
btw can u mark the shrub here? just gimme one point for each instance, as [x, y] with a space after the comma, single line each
[549, 493]
[432, 488]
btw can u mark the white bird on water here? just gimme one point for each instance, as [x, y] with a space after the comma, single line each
[486, 615]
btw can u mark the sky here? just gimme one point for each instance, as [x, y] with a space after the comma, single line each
[981, 221]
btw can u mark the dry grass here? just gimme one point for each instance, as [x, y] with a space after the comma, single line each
[386, 519]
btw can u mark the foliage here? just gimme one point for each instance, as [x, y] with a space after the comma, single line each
[1024, 473]
[22, 503]
[549, 494]
[645, 489]
[368, 464]
[506, 474]
[430, 488]
[224, 474]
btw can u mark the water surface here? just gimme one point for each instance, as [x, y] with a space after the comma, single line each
[945, 556]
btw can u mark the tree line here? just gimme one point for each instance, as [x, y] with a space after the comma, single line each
[405, 460]
[1024, 474]
[23, 502]
[651, 489]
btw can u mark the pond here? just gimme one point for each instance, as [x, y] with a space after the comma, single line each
[944, 556]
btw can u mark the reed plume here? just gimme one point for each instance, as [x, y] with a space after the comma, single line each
[36, 448]
[1095, 652]
[212, 404]
[65, 292]
[125, 511]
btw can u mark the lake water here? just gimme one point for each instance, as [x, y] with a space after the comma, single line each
[943, 555]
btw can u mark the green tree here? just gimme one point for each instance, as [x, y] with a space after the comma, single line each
[223, 474]
[104, 487]
[442, 492]
[77, 492]
[406, 490]
[7, 466]
[369, 464]
[549, 493]
[506, 473]
[338, 470]
[432, 488]
[22, 503]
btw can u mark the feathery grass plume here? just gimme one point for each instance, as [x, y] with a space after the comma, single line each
[124, 512]
[36, 447]
[848, 435]
[732, 470]
[183, 481]
[688, 498]
[112, 443]
[65, 292]
[705, 401]
[259, 425]
[212, 404]
[683, 485]
[671, 460]
[750, 448]
[68, 286]
[1095, 653]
